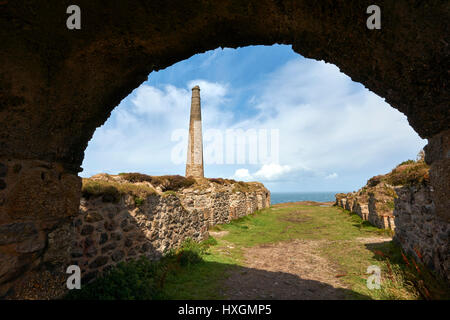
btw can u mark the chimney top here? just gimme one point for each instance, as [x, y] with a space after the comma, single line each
[196, 88]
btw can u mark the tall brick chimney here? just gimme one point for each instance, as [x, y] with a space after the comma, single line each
[194, 164]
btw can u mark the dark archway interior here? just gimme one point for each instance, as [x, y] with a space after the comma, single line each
[59, 85]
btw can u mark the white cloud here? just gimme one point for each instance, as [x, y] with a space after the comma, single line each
[137, 137]
[327, 122]
[242, 174]
[275, 172]
[272, 171]
[333, 175]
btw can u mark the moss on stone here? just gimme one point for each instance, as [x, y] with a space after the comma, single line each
[111, 191]
[408, 173]
[166, 183]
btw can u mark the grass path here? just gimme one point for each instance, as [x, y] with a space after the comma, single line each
[295, 251]
[288, 251]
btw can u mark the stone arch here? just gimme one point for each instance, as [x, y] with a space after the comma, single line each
[59, 85]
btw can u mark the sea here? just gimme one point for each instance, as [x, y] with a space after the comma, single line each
[280, 197]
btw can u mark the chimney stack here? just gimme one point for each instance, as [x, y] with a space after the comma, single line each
[194, 164]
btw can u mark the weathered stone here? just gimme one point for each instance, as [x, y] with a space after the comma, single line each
[145, 247]
[77, 252]
[87, 230]
[88, 277]
[109, 247]
[3, 170]
[88, 241]
[107, 268]
[126, 226]
[110, 225]
[60, 243]
[8, 266]
[98, 262]
[103, 238]
[90, 251]
[77, 222]
[38, 181]
[118, 255]
[108, 198]
[31, 245]
[128, 242]
[438, 156]
[17, 167]
[93, 217]
[116, 236]
[17, 232]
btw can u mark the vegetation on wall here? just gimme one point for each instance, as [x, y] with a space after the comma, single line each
[111, 191]
[166, 183]
[407, 173]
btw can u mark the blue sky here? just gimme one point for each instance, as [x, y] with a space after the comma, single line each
[333, 134]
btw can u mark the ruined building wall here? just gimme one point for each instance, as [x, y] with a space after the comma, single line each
[108, 233]
[103, 234]
[420, 231]
[375, 205]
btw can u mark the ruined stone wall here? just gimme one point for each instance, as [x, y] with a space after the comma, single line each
[108, 233]
[36, 198]
[381, 211]
[103, 234]
[224, 206]
[420, 231]
[374, 205]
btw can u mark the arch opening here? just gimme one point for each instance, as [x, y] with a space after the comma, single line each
[305, 104]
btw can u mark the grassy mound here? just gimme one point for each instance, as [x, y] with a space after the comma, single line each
[166, 183]
[111, 191]
[407, 173]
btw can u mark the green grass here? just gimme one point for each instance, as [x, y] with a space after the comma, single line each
[344, 248]
[168, 182]
[111, 191]
[138, 201]
[143, 279]
[198, 271]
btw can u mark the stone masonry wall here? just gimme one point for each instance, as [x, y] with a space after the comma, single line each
[374, 205]
[36, 198]
[105, 234]
[420, 231]
[224, 206]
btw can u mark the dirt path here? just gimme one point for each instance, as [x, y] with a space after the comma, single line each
[300, 269]
[286, 270]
